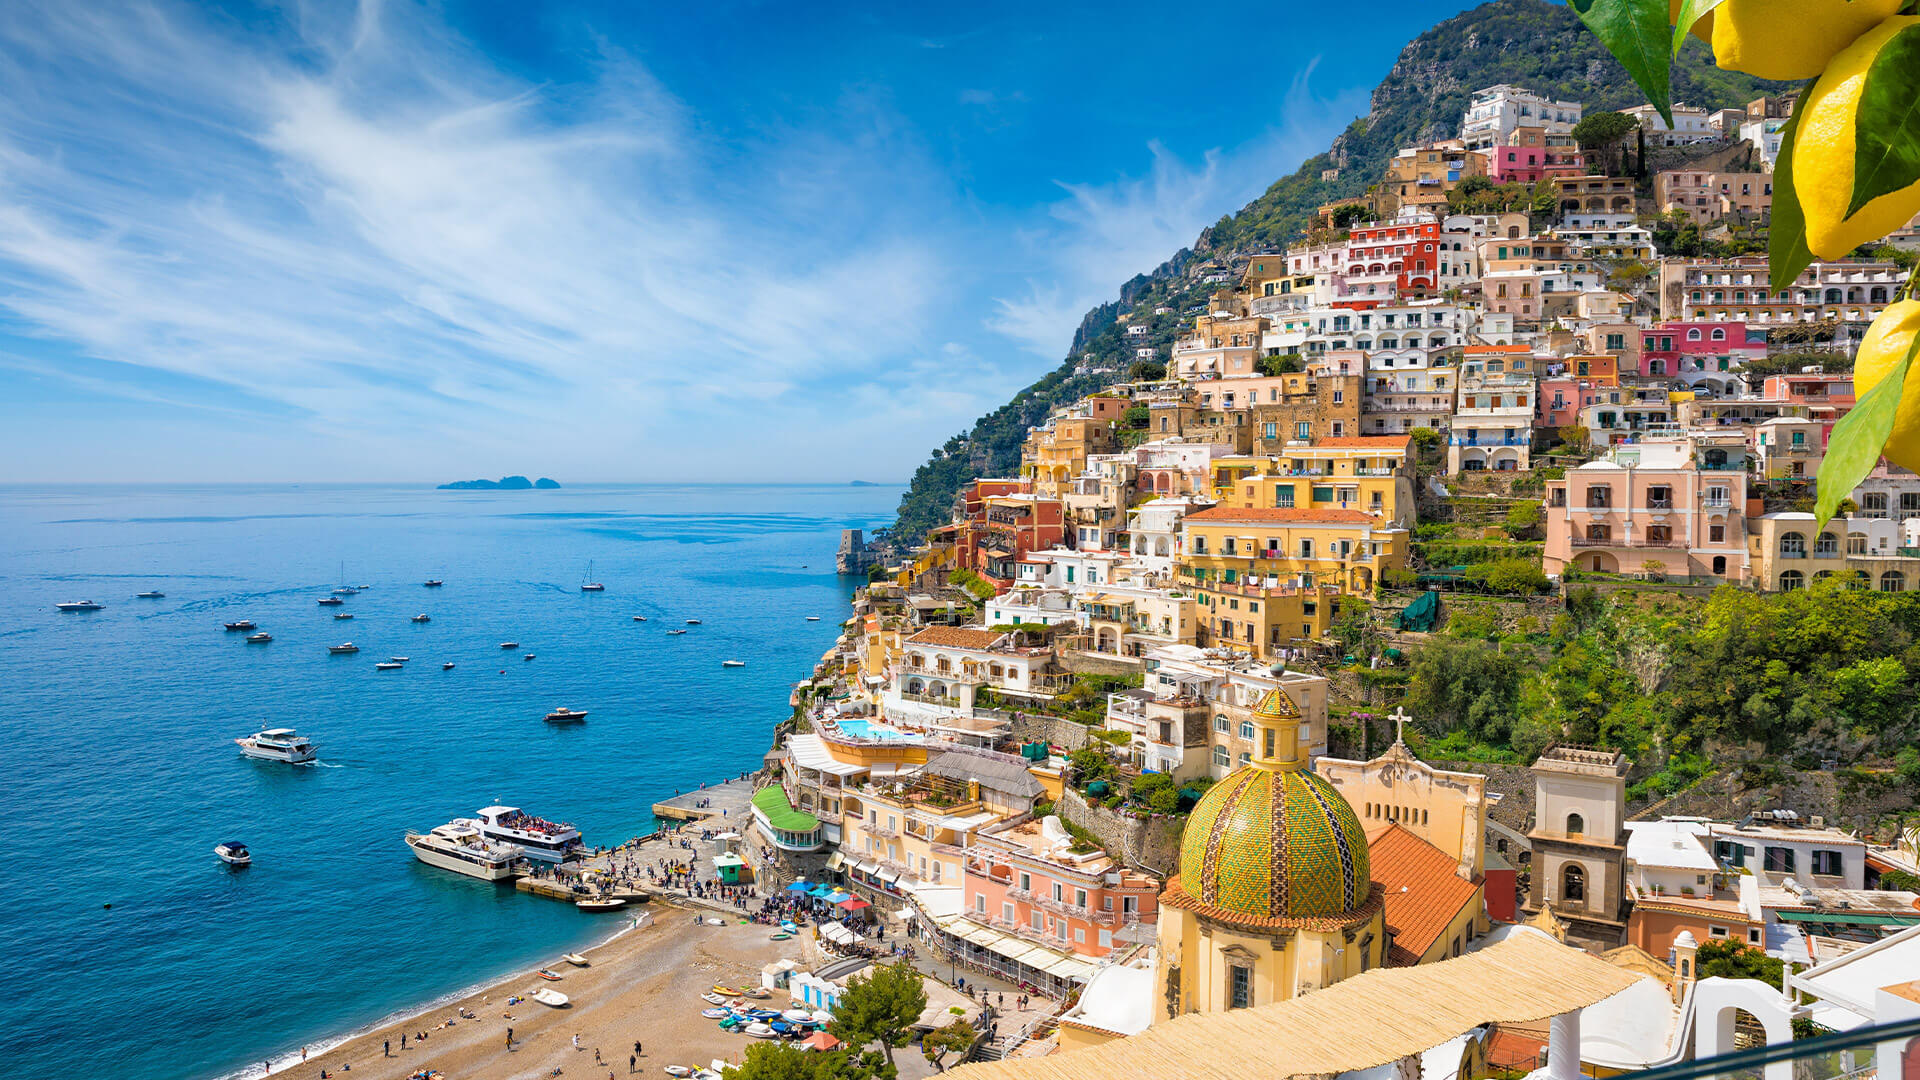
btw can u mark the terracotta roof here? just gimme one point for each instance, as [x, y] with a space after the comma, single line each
[1424, 892]
[957, 637]
[1268, 515]
[1362, 442]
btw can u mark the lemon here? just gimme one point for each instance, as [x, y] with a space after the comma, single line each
[1884, 346]
[1784, 39]
[1823, 153]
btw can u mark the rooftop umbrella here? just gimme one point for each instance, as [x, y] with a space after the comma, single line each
[854, 903]
[820, 891]
[798, 886]
[837, 895]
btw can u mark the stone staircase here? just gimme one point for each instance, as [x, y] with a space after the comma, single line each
[1035, 1038]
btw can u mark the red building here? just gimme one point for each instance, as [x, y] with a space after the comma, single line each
[1688, 348]
[1001, 522]
[1405, 251]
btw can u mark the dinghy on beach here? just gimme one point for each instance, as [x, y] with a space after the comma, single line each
[551, 998]
[576, 959]
[548, 975]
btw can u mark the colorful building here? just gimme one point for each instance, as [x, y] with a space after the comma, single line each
[1266, 578]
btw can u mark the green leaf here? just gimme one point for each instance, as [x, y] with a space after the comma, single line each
[1636, 32]
[1854, 447]
[1690, 12]
[1886, 126]
[1787, 250]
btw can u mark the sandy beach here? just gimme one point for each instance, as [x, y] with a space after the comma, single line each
[644, 985]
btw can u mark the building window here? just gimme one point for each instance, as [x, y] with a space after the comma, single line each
[1576, 825]
[1221, 757]
[1240, 987]
[1826, 863]
[1246, 729]
[1779, 860]
[1221, 723]
[1573, 884]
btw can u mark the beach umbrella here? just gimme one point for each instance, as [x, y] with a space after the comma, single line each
[854, 903]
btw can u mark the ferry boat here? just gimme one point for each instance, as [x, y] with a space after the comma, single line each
[343, 649]
[278, 744]
[78, 605]
[423, 617]
[259, 639]
[150, 594]
[233, 853]
[548, 841]
[460, 847]
[243, 624]
[330, 601]
[564, 715]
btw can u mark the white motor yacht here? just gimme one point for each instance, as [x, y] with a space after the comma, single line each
[279, 744]
[233, 853]
[548, 841]
[460, 847]
[78, 605]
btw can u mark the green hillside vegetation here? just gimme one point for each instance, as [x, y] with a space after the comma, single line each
[1526, 42]
[1825, 672]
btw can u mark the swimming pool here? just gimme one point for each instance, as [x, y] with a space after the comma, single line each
[859, 727]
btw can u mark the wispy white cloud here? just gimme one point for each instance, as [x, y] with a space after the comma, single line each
[398, 237]
[1099, 235]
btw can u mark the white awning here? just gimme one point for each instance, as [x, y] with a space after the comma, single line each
[836, 860]
[865, 867]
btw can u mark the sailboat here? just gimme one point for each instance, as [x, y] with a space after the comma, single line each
[587, 584]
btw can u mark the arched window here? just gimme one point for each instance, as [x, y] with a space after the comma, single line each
[1576, 825]
[1719, 334]
[1221, 757]
[1221, 723]
[1893, 581]
[1791, 580]
[1827, 544]
[1573, 883]
[1693, 334]
[1246, 729]
[1793, 546]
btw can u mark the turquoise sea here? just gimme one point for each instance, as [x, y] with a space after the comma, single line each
[120, 773]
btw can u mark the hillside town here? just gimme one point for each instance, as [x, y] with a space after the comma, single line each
[1106, 738]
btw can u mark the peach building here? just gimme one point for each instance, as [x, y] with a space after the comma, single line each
[1671, 505]
[1036, 882]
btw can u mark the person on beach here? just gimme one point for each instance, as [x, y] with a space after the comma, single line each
[576, 1040]
[386, 1048]
[509, 1038]
[636, 1048]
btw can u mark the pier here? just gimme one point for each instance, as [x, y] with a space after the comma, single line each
[732, 800]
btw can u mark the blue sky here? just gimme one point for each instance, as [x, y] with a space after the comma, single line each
[604, 242]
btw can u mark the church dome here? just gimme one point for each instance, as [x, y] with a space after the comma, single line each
[1275, 841]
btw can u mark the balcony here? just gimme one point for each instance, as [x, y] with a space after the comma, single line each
[930, 699]
[1799, 554]
[1659, 504]
[950, 675]
[1716, 504]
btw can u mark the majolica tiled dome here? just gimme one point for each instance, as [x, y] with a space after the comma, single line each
[1275, 842]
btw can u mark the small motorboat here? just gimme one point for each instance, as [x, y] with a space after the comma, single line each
[343, 615]
[509, 644]
[643, 618]
[448, 666]
[551, 998]
[550, 976]
[529, 656]
[388, 665]
[564, 715]
[727, 991]
[399, 659]
[259, 639]
[233, 853]
[813, 618]
[423, 617]
[78, 605]
[693, 622]
[680, 1071]
[798, 1016]
[781, 935]
[434, 584]
[759, 1030]
[343, 649]
[149, 595]
[759, 992]
[713, 1014]
[243, 624]
[576, 959]
[602, 903]
[712, 998]
[676, 631]
[733, 663]
[330, 601]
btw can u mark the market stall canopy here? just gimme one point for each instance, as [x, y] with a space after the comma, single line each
[854, 903]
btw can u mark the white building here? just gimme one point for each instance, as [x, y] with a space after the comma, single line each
[1153, 528]
[1496, 111]
[1690, 125]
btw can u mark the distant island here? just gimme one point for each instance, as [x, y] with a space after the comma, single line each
[862, 483]
[505, 483]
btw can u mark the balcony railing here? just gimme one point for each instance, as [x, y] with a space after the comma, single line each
[930, 699]
[1491, 440]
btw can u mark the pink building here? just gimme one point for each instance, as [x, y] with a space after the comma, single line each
[1673, 507]
[1025, 880]
[1681, 348]
[1827, 397]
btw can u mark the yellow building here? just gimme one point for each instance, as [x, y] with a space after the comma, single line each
[1370, 473]
[1274, 896]
[1267, 578]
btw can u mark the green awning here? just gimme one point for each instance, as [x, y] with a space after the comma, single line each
[1849, 918]
[772, 801]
